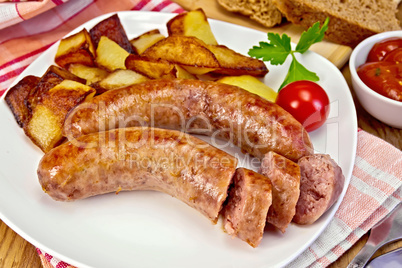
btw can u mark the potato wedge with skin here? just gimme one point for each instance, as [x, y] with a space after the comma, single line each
[192, 23]
[121, 78]
[90, 74]
[16, 96]
[251, 84]
[110, 55]
[77, 48]
[183, 50]
[145, 40]
[46, 123]
[54, 75]
[113, 29]
[233, 63]
[152, 68]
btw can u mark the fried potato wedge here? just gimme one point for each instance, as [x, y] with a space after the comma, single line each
[16, 96]
[110, 55]
[192, 23]
[54, 75]
[77, 48]
[233, 63]
[112, 28]
[197, 70]
[182, 73]
[119, 79]
[90, 74]
[183, 50]
[145, 40]
[251, 84]
[46, 123]
[152, 68]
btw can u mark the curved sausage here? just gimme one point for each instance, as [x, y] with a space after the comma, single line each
[202, 107]
[285, 178]
[245, 212]
[139, 159]
[321, 184]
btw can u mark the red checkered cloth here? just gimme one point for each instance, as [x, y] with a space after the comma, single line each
[376, 184]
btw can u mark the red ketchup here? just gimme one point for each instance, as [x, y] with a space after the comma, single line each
[382, 71]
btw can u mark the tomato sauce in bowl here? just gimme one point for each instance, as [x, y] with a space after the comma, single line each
[382, 71]
[384, 108]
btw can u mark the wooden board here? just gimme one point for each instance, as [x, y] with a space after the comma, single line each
[337, 54]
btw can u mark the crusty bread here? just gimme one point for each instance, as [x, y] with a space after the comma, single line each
[351, 21]
[262, 11]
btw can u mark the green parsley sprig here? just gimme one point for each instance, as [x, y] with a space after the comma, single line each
[279, 48]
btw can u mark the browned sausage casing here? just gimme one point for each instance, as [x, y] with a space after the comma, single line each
[245, 213]
[322, 183]
[139, 159]
[285, 178]
[210, 108]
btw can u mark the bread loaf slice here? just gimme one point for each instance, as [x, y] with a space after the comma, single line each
[262, 11]
[351, 21]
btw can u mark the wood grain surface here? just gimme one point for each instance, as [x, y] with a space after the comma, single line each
[17, 252]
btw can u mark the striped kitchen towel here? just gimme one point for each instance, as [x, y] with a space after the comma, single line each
[15, 11]
[376, 183]
[15, 1]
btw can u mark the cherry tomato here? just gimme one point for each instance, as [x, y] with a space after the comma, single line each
[306, 101]
[380, 49]
[383, 77]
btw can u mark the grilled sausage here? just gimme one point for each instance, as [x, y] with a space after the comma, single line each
[245, 212]
[210, 108]
[321, 184]
[139, 159]
[285, 178]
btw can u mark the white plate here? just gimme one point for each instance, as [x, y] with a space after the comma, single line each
[151, 229]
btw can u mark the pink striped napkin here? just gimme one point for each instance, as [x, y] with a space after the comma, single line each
[14, 1]
[376, 183]
[15, 11]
